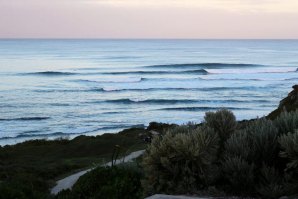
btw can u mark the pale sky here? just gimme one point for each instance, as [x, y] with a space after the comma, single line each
[203, 19]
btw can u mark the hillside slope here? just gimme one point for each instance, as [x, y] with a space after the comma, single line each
[290, 103]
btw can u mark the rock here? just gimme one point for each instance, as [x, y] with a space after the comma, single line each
[160, 127]
[154, 132]
[290, 103]
[161, 196]
[283, 197]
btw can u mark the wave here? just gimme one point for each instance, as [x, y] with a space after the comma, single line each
[199, 108]
[50, 73]
[25, 119]
[245, 79]
[176, 101]
[140, 72]
[294, 78]
[183, 89]
[115, 80]
[198, 71]
[252, 71]
[69, 90]
[203, 65]
[150, 101]
[40, 135]
[113, 89]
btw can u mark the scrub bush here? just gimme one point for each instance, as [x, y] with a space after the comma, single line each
[239, 174]
[181, 162]
[289, 144]
[272, 183]
[287, 122]
[222, 121]
[107, 182]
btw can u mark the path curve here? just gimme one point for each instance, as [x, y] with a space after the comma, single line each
[68, 182]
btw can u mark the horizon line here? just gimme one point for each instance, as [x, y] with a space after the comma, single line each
[99, 38]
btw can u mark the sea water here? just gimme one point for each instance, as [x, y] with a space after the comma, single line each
[54, 88]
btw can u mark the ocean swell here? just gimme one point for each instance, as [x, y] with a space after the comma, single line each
[24, 119]
[50, 73]
[203, 65]
[252, 70]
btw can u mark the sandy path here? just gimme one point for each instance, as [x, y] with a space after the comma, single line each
[68, 182]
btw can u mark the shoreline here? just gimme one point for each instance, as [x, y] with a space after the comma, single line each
[40, 163]
[14, 141]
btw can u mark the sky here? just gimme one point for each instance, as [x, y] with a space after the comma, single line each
[189, 19]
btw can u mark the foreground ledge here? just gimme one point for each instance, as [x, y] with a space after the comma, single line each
[161, 196]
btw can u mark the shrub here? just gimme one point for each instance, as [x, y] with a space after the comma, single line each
[287, 122]
[289, 144]
[257, 143]
[264, 141]
[181, 162]
[246, 151]
[182, 129]
[107, 182]
[272, 183]
[222, 121]
[23, 186]
[240, 175]
[239, 146]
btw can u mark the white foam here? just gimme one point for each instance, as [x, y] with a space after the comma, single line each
[252, 70]
[110, 88]
[117, 80]
[244, 79]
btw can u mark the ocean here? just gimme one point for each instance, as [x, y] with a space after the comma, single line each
[66, 88]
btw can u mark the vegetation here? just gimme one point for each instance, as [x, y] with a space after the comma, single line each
[186, 158]
[107, 182]
[29, 169]
[259, 159]
[220, 157]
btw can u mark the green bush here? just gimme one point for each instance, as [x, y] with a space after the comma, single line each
[264, 142]
[239, 174]
[257, 143]
[219, 154]
[182, 129]
[181, 162]
[222, 121]
[239, 145]
[107, 182]
[246, 151]
[23, 186]
[289, 144]
[272, 183]
[287, 122]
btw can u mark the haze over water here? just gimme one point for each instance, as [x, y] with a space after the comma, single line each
[53, 88]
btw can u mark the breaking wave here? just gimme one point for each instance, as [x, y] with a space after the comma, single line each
[199, 108]
[51, 73]
[252, 70]
[203, 65]
[24, 119]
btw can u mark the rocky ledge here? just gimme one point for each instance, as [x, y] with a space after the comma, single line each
[290, 103]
